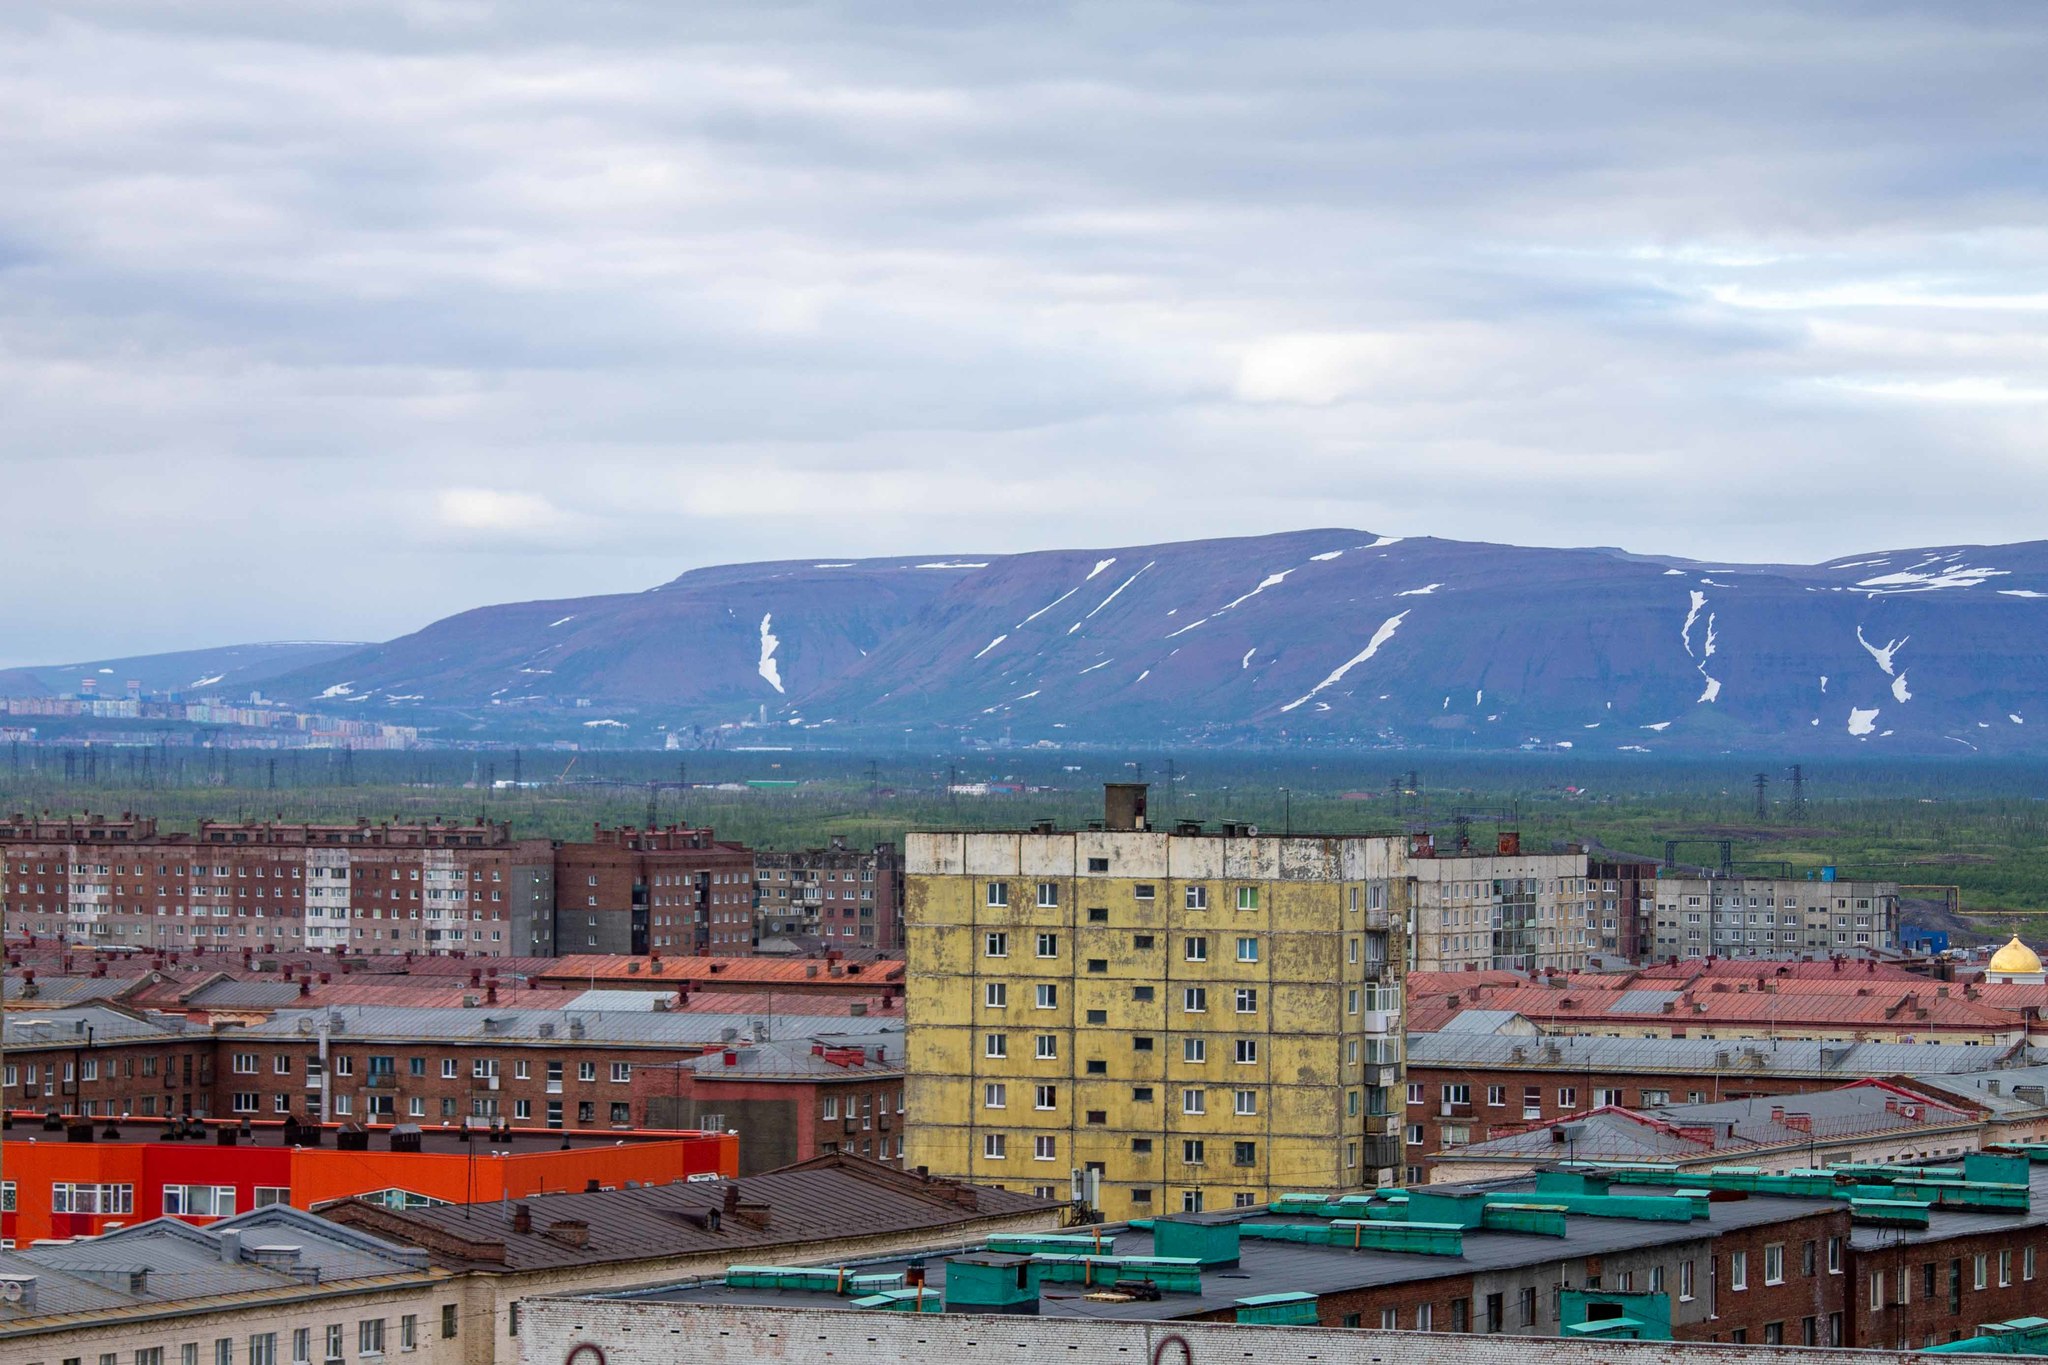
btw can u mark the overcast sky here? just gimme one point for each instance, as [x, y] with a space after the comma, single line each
[325, 318]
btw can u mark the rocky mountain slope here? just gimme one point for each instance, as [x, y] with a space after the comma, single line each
[1320, 637]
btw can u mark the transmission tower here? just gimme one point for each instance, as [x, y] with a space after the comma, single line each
[1798, 794]
[1763, 805]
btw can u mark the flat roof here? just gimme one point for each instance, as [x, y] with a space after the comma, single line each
[435, 1138]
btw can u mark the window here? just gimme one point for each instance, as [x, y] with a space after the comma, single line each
[447, 1068]
[1247, 898]
[996, 1045]
[1247, 950]
[1424, 1316]
[995, 945]
[223, 1353]
[1247, 1051]
[1774, 1263]
[1191, 1151]
[1048, 1047]
[2026, 1263]
[1809, 1260]
[262, 1350]
[999, 895]
[1196, 898]
[1980, 1271]
[1834, 1255]
[1048, 996]
[1247, 1000]
[448, 1321]
[1046, 1097]
[1685, 1279]
[409, 1332]
[334, 1339]
[1244, 1153]
[1048, 945]
[1738, 1270]
[1144, 891]
[1194, 1050]
[1044, 1149]
[199, 1201]
[1415, 1138]
[1195, 950]
[1246, 1102]
[1496, 1096]
[1194, 1000]
[1098, 864]
[1525, 1306]
[1194, 1101]
[992, 1146]
[302, 1348]
[370, 1337]
[622, 1072]
[2004, 1268]
[994, 1095]
[1877, 1289]
[995, 995]
[100, 1199]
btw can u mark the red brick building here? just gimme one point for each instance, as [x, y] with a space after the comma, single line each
[791, 1100]
[278, 887]
[640, 891]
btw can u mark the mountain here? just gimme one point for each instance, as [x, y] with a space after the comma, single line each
[1308, 637]
[230, 671]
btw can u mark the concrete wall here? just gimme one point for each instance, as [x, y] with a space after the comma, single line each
[596, 1332]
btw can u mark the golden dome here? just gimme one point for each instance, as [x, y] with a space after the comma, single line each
[2015, 959]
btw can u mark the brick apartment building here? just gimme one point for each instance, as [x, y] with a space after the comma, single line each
[1465, 1088]
[638, 891]
[563, 1069]
[1620, 894]
[277, 887]
[790, 1101]
[843, 897]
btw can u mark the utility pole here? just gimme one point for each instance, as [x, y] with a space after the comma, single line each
[1167, 814]
[1763, 805]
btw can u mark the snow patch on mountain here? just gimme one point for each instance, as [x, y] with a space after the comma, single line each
[1100, 565]
[992, 644]
[1883, 654]
[1899, 692]
[767, 667]
[1113, 596]
[1420, 592]
[563, 622]
[1326, 556]
[2020, 592]
[1945, 573]
[340, 689]
[942, 564]
[1379, 637]
[1246, 661]
[1862, 722]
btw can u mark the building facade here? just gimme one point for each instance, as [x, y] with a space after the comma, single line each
[842, 896]
[1201, 1019]
[642, 891]
[1499, 907]
[1762, 917]
[276, 887]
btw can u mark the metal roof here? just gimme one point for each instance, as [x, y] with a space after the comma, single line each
[71, 1027]
[826, 1199]
[801, 1060]
[630, 1028]
[1778, 1057]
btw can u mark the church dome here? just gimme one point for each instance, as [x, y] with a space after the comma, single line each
[2015, 959]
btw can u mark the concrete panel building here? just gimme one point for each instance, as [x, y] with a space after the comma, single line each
[1499, 907]
[1200, 1018]
[1766, 916]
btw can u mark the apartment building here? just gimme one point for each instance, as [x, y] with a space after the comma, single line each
[638, 891]
[1766, 916]
[1201, 1018]
[1619, 894]
[277, 887]
[842, 896]
[1499, 907]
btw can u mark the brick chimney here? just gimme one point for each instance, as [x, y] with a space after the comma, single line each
[522, 1219]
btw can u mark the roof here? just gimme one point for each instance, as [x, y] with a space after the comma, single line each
[628, 1028]
[1266, 1267]
[801, 973]
[826, 1199]
[442, 1138]
[1917, 1006]
[831, 1057]
[167, 1260]
[73, 1027]
[1711, 1056]
[2014, 958]
[1726, 1128]
[1481, 1021]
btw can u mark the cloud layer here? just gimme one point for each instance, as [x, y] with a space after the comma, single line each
[324, 319]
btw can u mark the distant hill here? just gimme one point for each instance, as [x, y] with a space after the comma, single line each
[1308, 637]
[232, 671]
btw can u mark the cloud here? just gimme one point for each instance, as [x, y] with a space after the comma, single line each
[569, 299]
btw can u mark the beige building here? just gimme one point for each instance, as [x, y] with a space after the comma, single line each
[1202, 1019]
[1499, 907]
[1769, 916]
[271, 1287]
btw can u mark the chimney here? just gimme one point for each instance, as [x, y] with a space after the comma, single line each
[522, 1219]
[571, 1232]
[231, 1246]
[732, 1199]
[1123, 805]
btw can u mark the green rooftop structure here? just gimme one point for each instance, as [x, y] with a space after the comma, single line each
[1204, 1243]
[1278, 1310]
[1614, 1316]
[2017, 1337]
[992, 1282]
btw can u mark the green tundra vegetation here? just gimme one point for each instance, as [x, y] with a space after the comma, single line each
[1980, 825]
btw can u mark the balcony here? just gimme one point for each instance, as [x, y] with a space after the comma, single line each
[1382, 1074]
[1383, 1153]
[1449, 1109]
[381, 1080]
[1380, 1021]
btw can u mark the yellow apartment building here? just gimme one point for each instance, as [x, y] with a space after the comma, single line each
[1205, 1019]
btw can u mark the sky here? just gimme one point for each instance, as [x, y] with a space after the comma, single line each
[325, 319]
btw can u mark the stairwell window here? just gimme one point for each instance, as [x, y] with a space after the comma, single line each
[1247, 950]
[1738, 1270]
[1048, 945]
[1247, 898]
[1194, 1000]
[1247, 1000]
[1196, 898]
